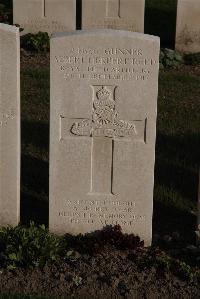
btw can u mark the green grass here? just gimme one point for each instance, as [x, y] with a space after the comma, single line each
[177, 152]
[31, 246]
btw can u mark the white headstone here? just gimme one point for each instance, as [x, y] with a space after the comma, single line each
[188, 26]
[104, 88]
[9, 125]
[113, 14]
[45, 15]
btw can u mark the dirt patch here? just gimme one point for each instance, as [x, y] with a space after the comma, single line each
[105, 264]
[109, 274]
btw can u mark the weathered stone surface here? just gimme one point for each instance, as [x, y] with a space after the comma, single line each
[9, 125]
[45, 15]
[188, 26]
[104, 87]
[113, 14]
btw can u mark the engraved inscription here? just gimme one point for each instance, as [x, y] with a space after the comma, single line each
[188, 37]
[119, 64]
[104, 212]
[44, 24]
[113, 23]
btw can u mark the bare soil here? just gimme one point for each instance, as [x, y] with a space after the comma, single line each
[109, 274]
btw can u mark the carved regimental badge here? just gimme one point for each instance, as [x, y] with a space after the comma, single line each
[105, 120]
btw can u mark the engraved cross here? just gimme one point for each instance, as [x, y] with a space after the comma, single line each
[44, 8]
[113, 8]
[105, 127]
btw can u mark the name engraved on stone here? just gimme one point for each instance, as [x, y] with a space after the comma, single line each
[105, 127]
[106, 64]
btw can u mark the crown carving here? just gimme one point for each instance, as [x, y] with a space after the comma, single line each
[103, 94]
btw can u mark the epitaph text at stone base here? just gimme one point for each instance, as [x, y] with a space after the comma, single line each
[9, 125]
[104, 88]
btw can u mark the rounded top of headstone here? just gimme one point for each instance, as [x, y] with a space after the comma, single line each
[106, 32]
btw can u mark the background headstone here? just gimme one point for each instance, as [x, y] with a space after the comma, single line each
[45, 15]
[188, 26]
[113, 14]
[9, 125]
[104, 87]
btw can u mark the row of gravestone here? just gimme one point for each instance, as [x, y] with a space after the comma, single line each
[60, 15]
[103, 105]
